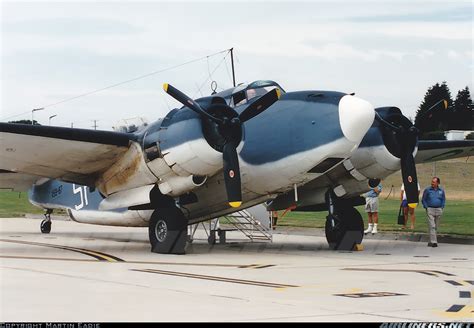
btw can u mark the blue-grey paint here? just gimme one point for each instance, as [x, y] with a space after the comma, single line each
[298, 122]
[66, 195]
[372, 138]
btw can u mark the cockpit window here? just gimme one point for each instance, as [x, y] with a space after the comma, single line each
[244, 96]
[243, 93]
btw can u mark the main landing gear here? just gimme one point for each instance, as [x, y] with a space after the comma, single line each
[344, 224]
[46, 223]
[168, 231]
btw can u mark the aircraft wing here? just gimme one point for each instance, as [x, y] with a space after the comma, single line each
[438, 150]
[72, 155]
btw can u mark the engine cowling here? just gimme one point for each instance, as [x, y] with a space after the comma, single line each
[184, 148]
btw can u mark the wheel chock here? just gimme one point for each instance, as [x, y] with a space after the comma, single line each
[358, 247]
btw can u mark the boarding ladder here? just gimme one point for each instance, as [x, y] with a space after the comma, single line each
[246, 223]
[242, 221]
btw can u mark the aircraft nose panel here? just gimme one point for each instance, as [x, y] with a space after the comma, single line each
[356, 117]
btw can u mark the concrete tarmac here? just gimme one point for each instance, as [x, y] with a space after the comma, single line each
[85, 273]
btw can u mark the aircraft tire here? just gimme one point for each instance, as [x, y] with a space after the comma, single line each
[167, 231]
[348, 231]
[45, 226]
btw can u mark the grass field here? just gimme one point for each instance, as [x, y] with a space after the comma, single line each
[457, 219]
[14, 204]
[457, 177]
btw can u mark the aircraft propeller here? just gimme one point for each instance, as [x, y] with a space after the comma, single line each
[222, 127]
[401, 138]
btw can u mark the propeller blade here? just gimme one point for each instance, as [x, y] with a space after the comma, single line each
[260, 105]
[188, 102]
[410, 179]
[232, 175]
[439, 105]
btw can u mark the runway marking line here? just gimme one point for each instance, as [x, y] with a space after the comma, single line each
[256, 266]
[97, 255]
[455, 308]
[371, 294]
[216, 278]
[132, 262]
[454, 283]
[464, 294]
[458, 311]
[434, 273]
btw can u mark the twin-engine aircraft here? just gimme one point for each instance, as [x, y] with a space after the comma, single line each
[251, 144]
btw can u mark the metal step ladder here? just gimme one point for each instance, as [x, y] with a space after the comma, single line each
[242, 221]
[246, 223]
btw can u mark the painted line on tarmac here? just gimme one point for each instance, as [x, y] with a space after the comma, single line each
[455, 308]
[47, 258]
[371, 294]
[453, 282]
[465, 294]
[256, 266]
[434, 273]
[250, 266]
[443, 273]
[216, 278]
[97, 255]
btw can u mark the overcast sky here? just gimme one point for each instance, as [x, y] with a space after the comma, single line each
[388, 53]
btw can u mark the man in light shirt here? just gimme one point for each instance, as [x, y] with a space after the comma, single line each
[372, 205]
[434, 200]
[406, 208]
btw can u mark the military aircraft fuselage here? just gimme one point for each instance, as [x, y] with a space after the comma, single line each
[280, 149]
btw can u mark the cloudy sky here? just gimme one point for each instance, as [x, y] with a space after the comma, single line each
[387, 52]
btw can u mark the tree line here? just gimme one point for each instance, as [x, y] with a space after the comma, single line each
[458, 116]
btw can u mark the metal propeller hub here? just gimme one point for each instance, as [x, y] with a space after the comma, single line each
[219, 134]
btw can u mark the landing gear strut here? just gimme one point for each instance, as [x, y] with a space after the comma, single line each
[168, 231]
[46, 223]
[344, 224]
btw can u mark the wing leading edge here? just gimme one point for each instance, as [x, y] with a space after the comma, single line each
[72, 155]
[438, 150]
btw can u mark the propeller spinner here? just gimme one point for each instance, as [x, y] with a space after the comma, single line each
[225, 125]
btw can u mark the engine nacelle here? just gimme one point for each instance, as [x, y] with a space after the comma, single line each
[183, 147]
[374, 162]
[129, 172]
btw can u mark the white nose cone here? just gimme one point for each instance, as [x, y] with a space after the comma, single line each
[356, 117]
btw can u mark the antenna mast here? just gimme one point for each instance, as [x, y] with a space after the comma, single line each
[232, 61]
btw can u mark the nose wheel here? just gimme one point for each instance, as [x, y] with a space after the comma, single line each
[46, 223]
